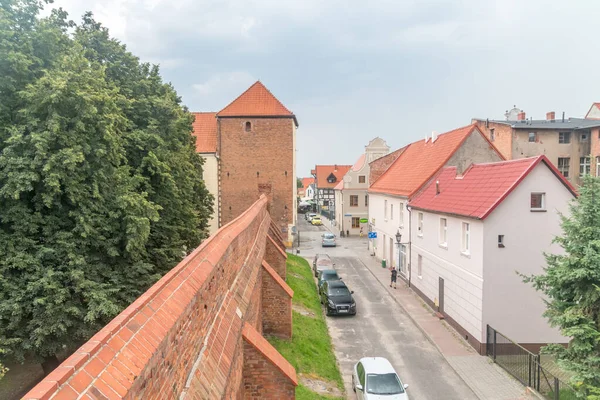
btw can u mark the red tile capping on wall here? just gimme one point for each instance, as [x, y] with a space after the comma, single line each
[124, 356]
[261, 344]
[278, 279]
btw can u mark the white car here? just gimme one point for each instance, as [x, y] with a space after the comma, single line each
[374, 378]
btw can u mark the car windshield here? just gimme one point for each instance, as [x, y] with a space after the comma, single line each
[328, 236]
[339, 291]
[329, 277]
[384, 384]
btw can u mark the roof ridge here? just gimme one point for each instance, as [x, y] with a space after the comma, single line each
[203, 112]
[259, 83]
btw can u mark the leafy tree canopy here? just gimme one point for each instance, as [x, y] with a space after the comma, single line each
[571, 282]
[101, 190]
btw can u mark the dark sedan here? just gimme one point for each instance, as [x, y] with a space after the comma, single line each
[327, 275]
[337, 298]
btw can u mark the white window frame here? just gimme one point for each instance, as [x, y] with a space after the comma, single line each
[385, 210]
[585, 164]
[543, 205]
[392, 211]
[465, 245]
[443, 232]
[597, 165]
[420, 266]
[561, 168]
[529, 137]
[401, 215]
[420, 224]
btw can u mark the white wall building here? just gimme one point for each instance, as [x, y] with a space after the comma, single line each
[351, 194]
[471, 232]
[390, 193]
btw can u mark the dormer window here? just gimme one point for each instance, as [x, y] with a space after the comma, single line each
[331, 178]
[248, 126]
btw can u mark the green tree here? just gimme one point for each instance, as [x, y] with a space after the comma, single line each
[299, 183]
[571, 283]
[101, 190]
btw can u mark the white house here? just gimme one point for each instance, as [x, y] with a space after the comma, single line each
[413, 168]
[351, 195]
[472, 232]
[205, 131]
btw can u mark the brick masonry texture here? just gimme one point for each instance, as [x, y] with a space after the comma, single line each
[275, 256]
[257, 162]
[379, 166]
[276, 304]
[502, 136]
[182, 339]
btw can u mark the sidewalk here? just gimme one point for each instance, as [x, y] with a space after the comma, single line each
[485, 378]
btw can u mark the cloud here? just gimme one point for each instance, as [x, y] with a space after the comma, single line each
[224, 83]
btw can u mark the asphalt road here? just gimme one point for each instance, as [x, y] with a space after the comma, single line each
[381, 328]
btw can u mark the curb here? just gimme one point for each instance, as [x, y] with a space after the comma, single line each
[429, 338]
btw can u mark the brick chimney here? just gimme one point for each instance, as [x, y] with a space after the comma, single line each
[550, 116]
[521, 116]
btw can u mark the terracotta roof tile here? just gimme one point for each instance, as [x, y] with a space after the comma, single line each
[323, 172]
[205, 130]
[256, 101]
[420, 161]
[307, 181]
[481, 189]
[359, 163]
[261, 344]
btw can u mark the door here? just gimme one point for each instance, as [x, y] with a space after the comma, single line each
[392, 258]
[402, 261]
[441, 295]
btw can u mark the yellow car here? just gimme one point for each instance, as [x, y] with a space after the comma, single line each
[316, 221]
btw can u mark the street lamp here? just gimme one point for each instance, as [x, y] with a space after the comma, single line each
[398, 237]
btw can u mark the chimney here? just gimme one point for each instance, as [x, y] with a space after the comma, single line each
[563, 119]
[433, 136]
[335, 167]
[521, 116]
[550, 116]
[437, 187]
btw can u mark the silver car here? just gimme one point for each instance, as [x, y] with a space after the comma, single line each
[375, 378]
[328, 240]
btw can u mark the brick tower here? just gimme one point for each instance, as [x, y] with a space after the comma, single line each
[257, 154]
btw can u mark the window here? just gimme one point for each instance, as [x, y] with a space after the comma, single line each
[366, 200]
[563, 166]
[354, 200]
[401, 214]
[597, 166]
[355, 222]
[420, 225]
[532, 137]
[501, 241]
[420, 266]
[385, 209]
[584, 137]
[361, 179]
[564, 137]
[248, 126]
[402, 259]
[538, 201]
[392, 212]
[492, 136]
[584, 166]
[466, 238]
[443, 231]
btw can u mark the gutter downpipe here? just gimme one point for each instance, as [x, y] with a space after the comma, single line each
[409, 209]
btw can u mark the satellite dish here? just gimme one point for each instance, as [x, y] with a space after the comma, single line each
[347, 178]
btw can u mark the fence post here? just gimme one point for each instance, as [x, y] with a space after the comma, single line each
[539, 372]
[556, 389]
[494, 348]
[529, 368]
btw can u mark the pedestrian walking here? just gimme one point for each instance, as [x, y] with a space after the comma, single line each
[394, 277]
[361, 230]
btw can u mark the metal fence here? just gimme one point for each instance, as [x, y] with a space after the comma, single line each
[328, 214]
[527, 367]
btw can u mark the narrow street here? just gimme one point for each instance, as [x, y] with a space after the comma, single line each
[381, 327]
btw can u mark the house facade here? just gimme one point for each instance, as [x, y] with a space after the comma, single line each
[308, 189]
[255, 153]
[351, 194]
[327, 178]
[412, 168]
[472, 232]
[571, 144]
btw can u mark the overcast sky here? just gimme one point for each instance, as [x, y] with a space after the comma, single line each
[353, 70]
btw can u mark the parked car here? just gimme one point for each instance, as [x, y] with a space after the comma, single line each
[309, 216]
[327, 275]
[337, 298]
[316, 221]
[375, 378]
[321, 262]
[328, 240]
